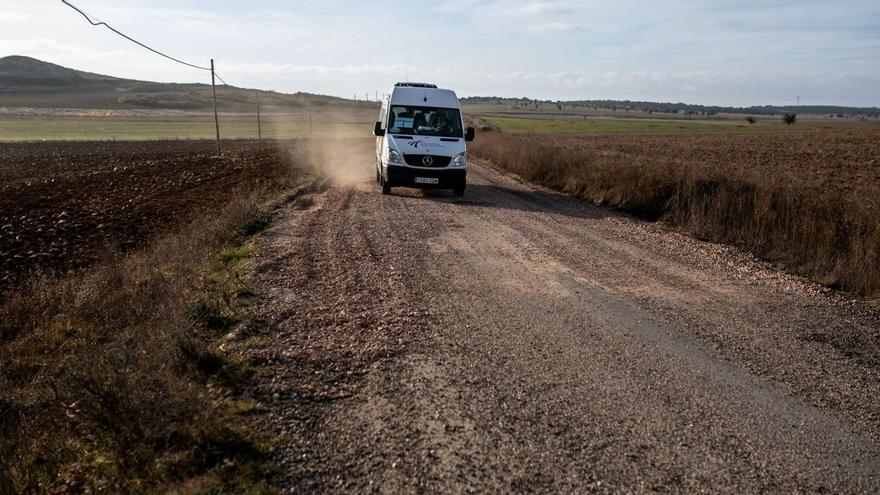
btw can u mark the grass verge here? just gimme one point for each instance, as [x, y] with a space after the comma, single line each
[829, 235]
[111, 379]
[48, 129]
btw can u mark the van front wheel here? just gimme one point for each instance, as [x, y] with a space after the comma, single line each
[386, 187]
[458, 191]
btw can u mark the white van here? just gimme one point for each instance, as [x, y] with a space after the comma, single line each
[420, 139]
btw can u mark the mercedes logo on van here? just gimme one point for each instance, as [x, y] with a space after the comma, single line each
[427, 161]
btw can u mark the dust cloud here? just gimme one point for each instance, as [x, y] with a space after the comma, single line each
[346, 161]
[334, 142]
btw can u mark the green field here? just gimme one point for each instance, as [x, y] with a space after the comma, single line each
[350, 125]
[109, 130]
[608, 126]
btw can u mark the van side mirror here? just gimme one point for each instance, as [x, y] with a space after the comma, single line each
[377, 130]
[470, 134]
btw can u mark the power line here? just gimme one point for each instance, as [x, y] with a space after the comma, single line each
[210, 69]
[129, 38]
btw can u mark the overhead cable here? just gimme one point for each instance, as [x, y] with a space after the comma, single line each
[129, 38]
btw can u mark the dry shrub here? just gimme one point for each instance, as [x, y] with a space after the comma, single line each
[836, 243]
[104, 373]
[830, 235]
[567, 167]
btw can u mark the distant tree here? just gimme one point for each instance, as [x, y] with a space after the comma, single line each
[789, 118]
[559, 107]
[750, 120]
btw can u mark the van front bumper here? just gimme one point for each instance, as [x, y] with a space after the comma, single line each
[398, 176]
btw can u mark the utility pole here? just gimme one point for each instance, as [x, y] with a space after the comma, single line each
[310, 122]
[216, 118]
[259, 123]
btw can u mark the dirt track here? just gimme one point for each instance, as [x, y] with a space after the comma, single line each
[518, 340]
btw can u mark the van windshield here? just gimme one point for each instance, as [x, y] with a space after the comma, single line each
[425, 121]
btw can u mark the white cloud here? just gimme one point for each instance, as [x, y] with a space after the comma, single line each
[705, 87]
[7, 16]
[455, 6]
[554, 28]
[705, 51]
[45, 46]
[544, 8]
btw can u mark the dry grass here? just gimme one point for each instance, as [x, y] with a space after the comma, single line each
[110, 380]
[808, 201]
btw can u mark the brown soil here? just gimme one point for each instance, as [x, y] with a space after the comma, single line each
[65, 206]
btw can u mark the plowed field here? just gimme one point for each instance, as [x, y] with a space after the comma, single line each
[64, 206]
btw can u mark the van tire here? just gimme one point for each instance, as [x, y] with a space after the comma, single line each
[459, 190]
[386, 187]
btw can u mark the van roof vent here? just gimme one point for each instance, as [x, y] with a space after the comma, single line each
[414, 85]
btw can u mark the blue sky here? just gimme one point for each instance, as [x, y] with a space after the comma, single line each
[699, 51]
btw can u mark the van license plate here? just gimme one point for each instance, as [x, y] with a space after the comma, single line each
[427, 180]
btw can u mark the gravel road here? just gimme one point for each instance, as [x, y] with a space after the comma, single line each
[518, 340]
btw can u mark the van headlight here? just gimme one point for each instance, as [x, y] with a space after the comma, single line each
[393, 156]
[460, 160]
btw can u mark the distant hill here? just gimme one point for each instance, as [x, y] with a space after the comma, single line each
[28, 82]
[17, 71]
[676, 108]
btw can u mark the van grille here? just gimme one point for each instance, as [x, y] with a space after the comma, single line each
[419, 160]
